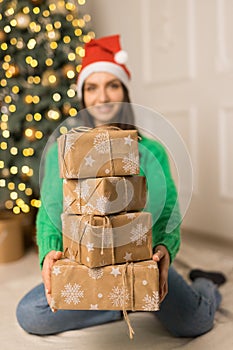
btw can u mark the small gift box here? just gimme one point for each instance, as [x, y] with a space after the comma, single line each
[103, 196]
[131, 286]
[11, 237]
[98, 152]
[104, 240]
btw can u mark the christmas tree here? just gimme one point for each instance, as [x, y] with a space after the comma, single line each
[41, 46]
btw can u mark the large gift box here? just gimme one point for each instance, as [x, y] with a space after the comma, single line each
[98, 152]
[104, 240]
[131, 286]
[103, 196]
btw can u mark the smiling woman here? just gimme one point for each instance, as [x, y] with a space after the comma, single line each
[101, 91]
[187, 310]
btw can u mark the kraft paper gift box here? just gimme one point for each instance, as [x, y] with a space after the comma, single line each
[11, 237]
[131, 286]
[104, 240]
[103, 196]
[98, 152]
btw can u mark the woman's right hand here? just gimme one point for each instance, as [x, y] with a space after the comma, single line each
[49, 260]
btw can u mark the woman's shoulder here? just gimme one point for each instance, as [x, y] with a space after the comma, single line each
[153, 145]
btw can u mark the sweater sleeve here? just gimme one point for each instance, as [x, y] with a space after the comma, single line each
[48, 221]
[162, 199]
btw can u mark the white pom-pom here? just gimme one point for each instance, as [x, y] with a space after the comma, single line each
[121, 57]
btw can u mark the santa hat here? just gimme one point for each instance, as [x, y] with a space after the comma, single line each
[104, 55]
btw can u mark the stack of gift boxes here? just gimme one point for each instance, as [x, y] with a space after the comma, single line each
[107, 238]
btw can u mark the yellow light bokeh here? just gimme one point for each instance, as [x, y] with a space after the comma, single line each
[37, 117]
[16, 210]
[14, 170]
[36, 10]
[73, 112]
[12, 108]
[71, 56]
[3, 145]
[38, 135]
[21, 186]
[28, 191]
[2, 183]
[53, 45]
[29, 117]
[14, 151]
[9, 204]
[25, 169]
[4, 118]
[63, 130]
[56, 97]
[6, 134]
[49, 62]
[15, 89]
[71, 93]
[11, 186]
[14, 195]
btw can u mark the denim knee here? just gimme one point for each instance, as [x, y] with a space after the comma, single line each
[23, 315]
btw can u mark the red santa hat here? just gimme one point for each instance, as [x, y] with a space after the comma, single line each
[104, 55]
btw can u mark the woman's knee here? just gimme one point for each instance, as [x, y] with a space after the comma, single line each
[24, 316]
[31, 311]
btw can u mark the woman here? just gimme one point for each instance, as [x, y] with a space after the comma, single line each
[187, 311]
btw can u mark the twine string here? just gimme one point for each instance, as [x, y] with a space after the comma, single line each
[126, 317]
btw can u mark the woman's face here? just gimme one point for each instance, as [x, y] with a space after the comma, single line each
[101, 90]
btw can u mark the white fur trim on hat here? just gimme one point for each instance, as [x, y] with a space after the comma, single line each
[101, 66]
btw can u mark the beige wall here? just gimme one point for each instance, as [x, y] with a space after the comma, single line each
[183, 68]
[119, 17]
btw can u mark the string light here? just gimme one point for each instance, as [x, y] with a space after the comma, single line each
[37, 86]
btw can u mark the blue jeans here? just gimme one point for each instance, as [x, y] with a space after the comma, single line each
[187, 311]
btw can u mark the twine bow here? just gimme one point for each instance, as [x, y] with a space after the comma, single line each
[82, 227]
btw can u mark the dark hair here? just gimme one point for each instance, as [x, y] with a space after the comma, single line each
[124, 119]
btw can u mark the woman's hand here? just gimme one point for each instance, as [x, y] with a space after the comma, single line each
[49, 260]
[161, 256]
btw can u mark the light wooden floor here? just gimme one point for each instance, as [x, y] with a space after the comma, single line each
[18, 277]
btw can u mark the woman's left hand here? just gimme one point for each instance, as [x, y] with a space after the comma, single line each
[162, 257]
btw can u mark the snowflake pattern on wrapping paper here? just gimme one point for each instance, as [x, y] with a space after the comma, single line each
[96, 273]
[119, 296]
[82, 190]
[102, 204]
[101, 143]
[87, 208]
[70, 141]
[138, 234]
[67, 200]
[151, 302]
[72, 293]
[131, 163]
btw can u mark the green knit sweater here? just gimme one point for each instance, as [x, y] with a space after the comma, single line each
[162, 200]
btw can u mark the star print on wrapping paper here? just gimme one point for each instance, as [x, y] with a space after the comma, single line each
[128, 256]
[56, 270]
[89, 161]
[90, 246]
[115, 271]
[128, 140]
